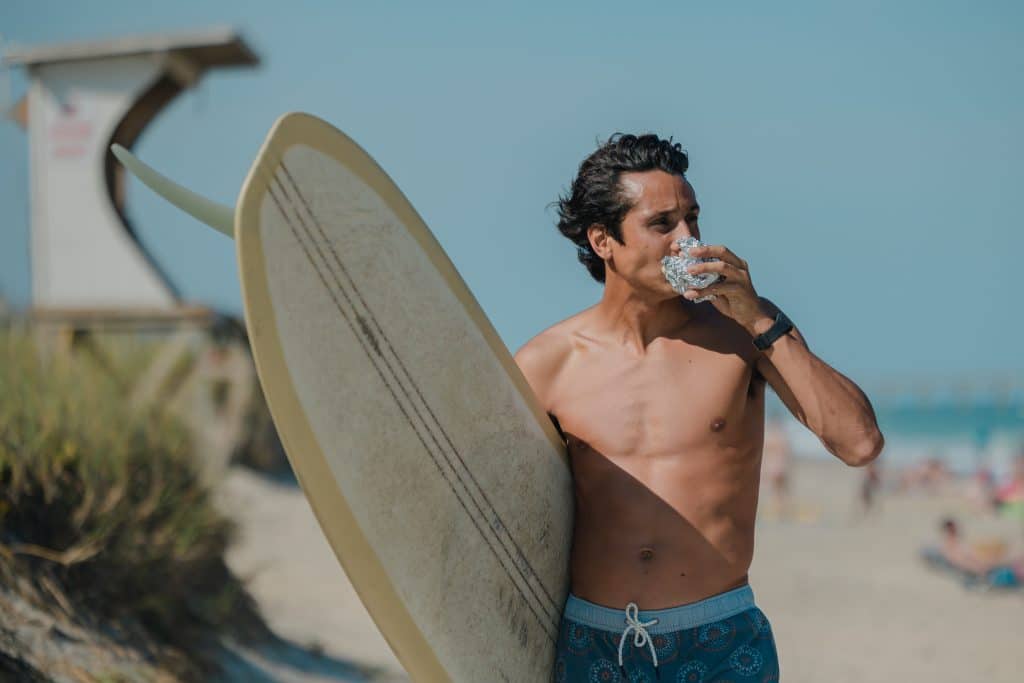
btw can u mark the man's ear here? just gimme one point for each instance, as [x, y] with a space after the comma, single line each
[600, 240]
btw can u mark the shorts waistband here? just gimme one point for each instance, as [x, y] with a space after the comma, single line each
[715, 608]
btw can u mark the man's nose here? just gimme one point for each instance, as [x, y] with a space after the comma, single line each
[681, 232]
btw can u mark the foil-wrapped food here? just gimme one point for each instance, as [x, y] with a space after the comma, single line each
[674, 268]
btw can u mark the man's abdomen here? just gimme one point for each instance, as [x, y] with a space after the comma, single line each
[658, 538]
[614, 567]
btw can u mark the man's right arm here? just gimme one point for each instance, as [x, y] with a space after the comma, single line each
[540, 361]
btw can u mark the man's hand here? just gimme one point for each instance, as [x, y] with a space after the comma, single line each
[734, 292]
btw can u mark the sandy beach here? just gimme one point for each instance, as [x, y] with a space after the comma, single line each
[850, 601]
[299, 585]
[846, 594]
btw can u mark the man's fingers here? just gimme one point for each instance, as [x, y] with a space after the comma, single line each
[724, 268]
[719, 251]
[718, 289]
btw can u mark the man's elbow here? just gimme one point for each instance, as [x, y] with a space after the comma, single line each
[866, 452]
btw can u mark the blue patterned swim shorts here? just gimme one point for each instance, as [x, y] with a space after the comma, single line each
[724, 638]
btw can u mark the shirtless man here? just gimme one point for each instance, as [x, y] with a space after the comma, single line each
[661, 402]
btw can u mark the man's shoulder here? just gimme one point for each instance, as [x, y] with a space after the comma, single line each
[547, 347]
[542, 358]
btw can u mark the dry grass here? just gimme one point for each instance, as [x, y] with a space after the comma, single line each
[102, 510]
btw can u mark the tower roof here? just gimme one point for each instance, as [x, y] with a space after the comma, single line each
[216, 47]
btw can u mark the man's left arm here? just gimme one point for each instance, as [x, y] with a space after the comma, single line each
[822, 399]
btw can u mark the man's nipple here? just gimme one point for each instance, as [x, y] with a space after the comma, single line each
[718, 424]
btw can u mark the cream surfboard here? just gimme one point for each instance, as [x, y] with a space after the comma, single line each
[436, 476]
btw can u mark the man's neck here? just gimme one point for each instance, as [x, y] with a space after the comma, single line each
[635, 319]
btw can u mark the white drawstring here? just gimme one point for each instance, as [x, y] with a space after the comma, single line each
[640, 637]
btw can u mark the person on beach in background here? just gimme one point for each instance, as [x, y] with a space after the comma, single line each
[870, 484]
[997, 569]
[775, 469]
[930, 476]
[661, 402]
[956, 552]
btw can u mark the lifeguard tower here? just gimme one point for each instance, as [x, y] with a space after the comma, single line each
[82, 98]
[90, 274]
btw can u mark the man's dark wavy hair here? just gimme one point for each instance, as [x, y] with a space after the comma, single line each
[597, 197]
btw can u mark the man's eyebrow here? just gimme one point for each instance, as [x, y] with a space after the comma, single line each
[667, 212]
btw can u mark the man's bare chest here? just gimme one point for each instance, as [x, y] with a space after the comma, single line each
[672, 401]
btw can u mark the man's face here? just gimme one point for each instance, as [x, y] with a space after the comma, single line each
[664, 209]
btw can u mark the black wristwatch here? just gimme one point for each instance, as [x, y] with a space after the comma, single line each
[781, 326]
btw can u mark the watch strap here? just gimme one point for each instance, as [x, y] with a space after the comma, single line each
[781, 326]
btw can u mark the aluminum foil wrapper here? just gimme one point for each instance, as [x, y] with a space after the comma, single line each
[674, 268]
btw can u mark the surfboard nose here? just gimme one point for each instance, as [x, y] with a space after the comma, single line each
[217, 216]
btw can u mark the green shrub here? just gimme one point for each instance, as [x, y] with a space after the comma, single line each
[101, 506]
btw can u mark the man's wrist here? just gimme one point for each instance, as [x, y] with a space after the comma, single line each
[760, 325]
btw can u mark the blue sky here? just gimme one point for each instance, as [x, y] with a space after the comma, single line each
[862, 157]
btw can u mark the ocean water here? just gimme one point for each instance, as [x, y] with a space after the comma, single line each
[965, 432]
